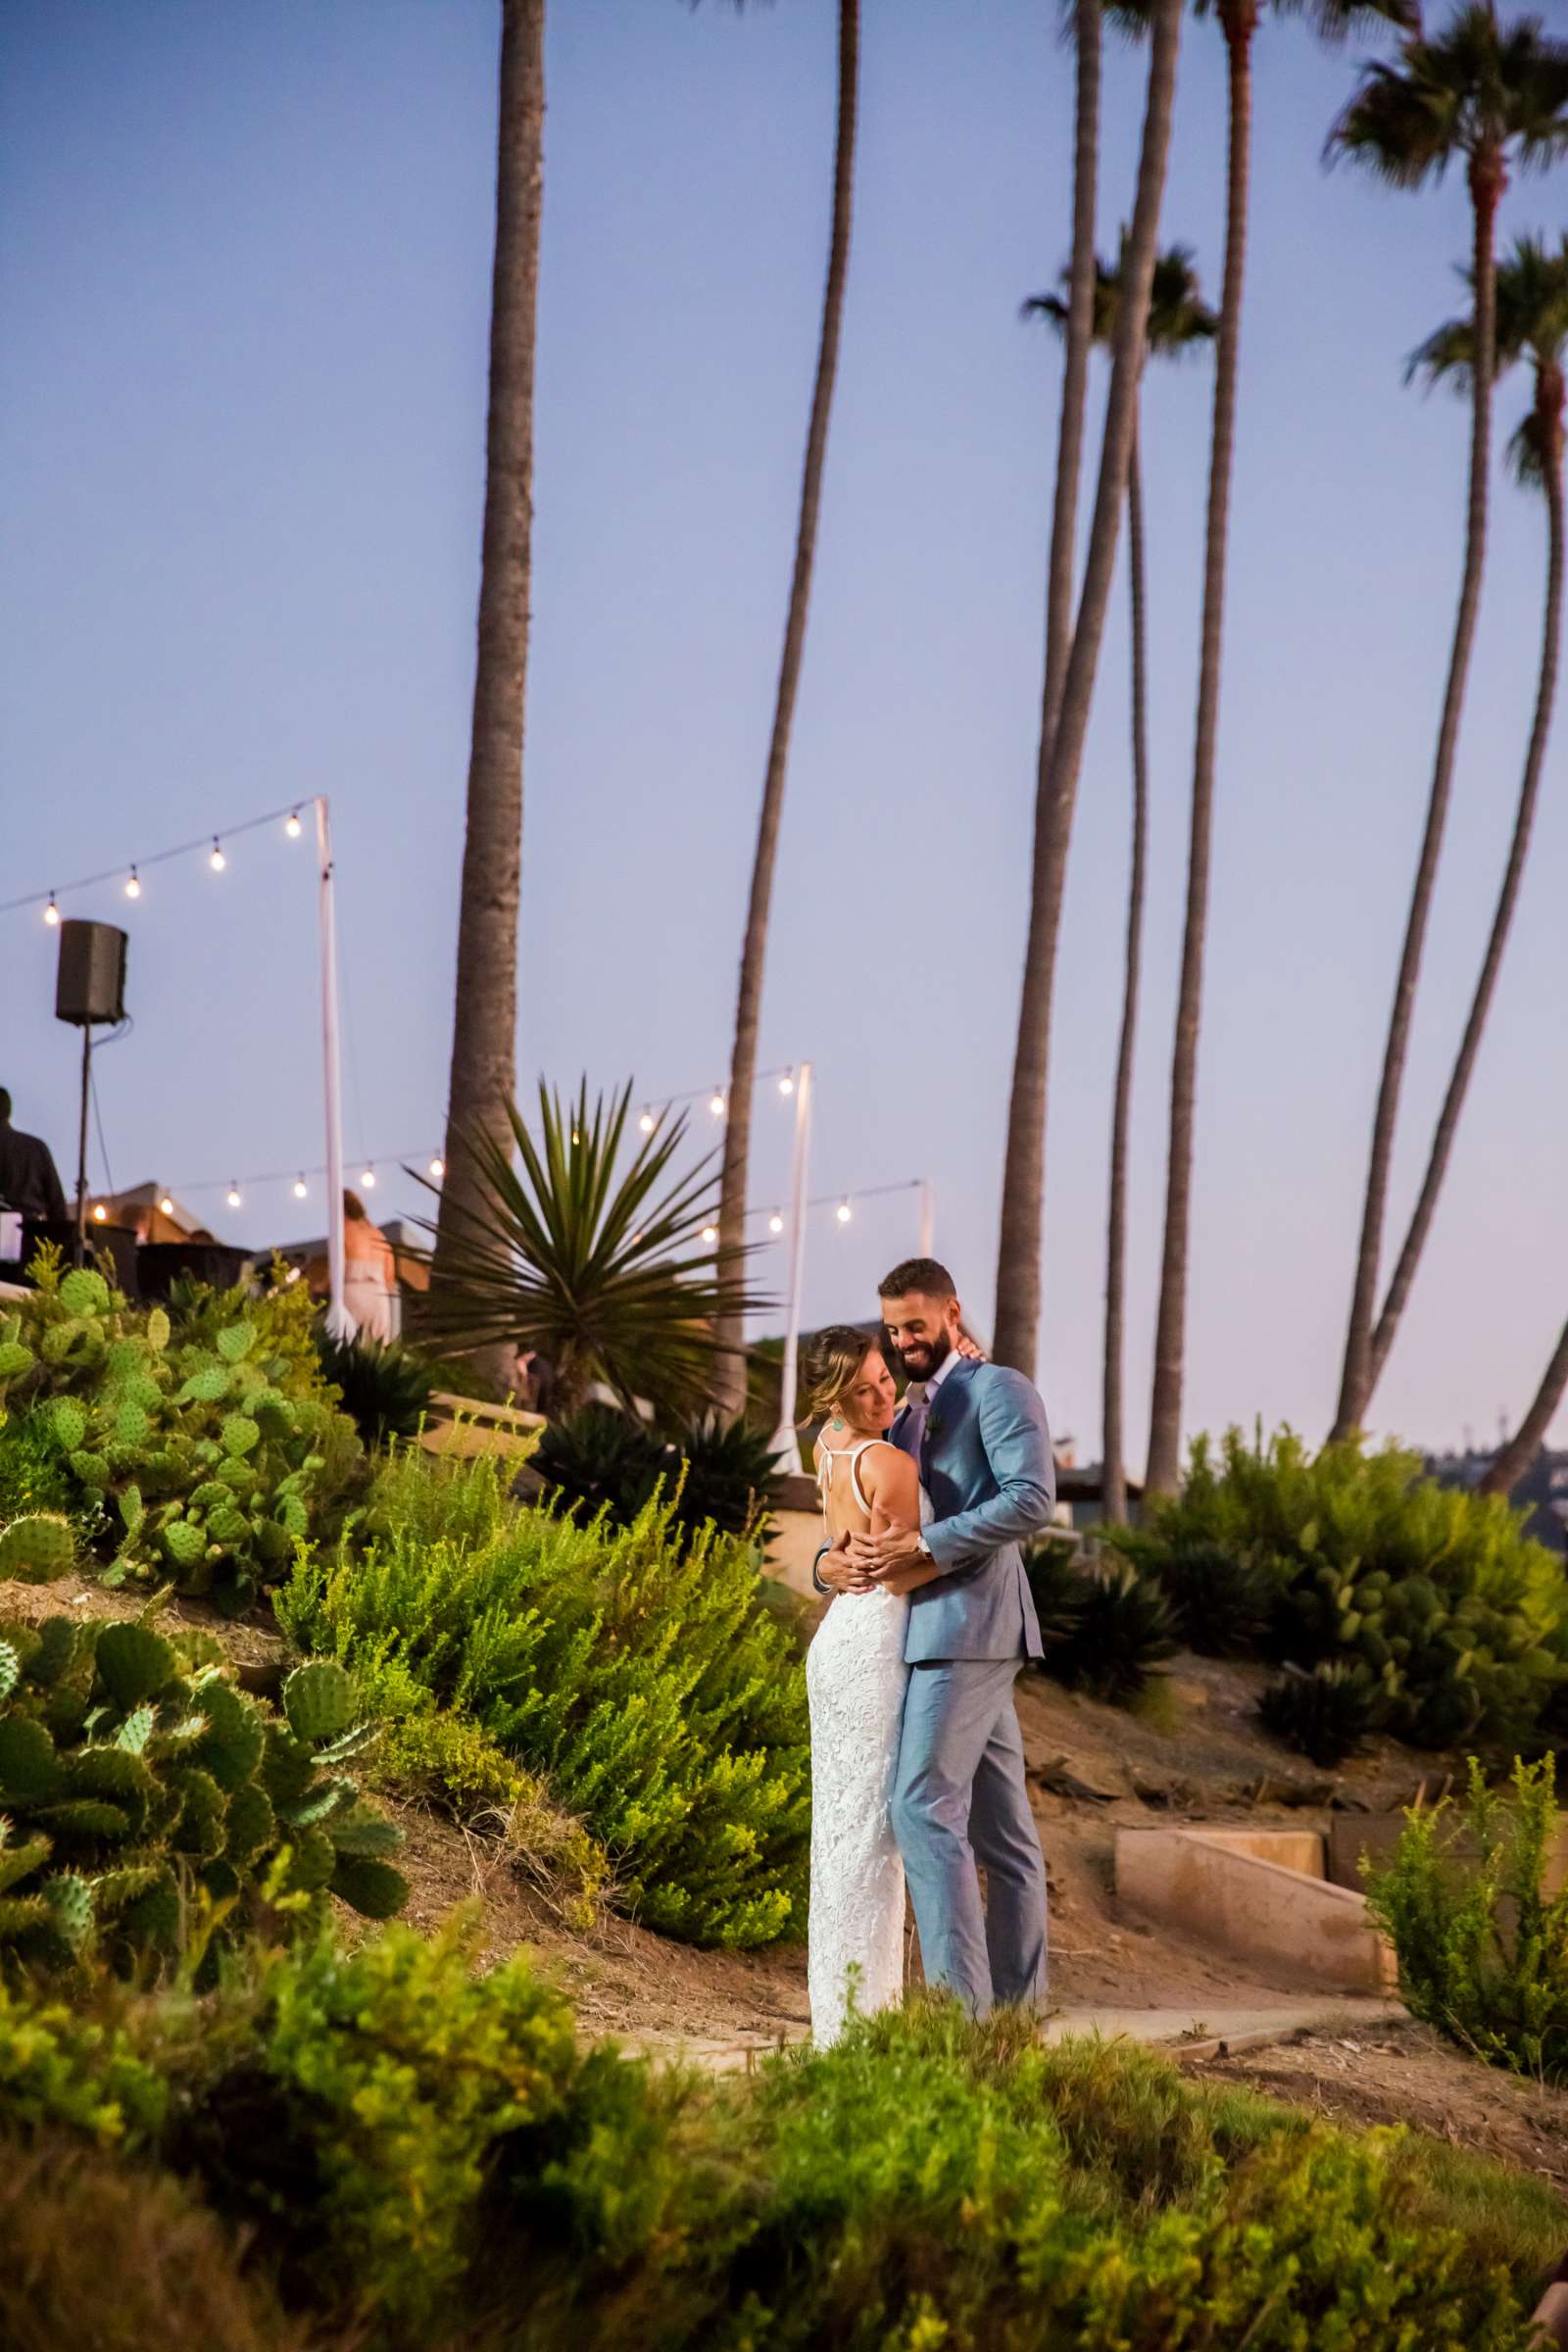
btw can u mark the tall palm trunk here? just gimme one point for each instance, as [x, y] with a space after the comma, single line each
[1018, 1286]
[729, 1380]
[1550, 413]
[1113, 1442]
[484, 1022]
[1238, 18]
[1487, 181]
[1509, 1465]
[1088, 30]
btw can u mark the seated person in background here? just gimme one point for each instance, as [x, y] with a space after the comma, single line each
[28, 1182]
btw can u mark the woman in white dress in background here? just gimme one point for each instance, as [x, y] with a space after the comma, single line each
[855, 1678]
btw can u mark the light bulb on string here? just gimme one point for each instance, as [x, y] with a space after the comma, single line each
[716, 1103]
[217, 861]
[844, 1212]
[786, 1085]
[167, 1206]
[292, 826]
[301, 1188]
[710, 1233]
[438, 1168]
[133, 885]
[234, 1195]
[575, 1136]
[367, 1179]
[646, 1122]
[51, 914]
[100, 1213]
[776, 1223]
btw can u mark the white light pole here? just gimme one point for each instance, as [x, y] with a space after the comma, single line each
[786, 1439]
[339, 1322]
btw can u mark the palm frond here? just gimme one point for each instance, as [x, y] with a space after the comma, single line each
[598, 1267]
[1478, 88]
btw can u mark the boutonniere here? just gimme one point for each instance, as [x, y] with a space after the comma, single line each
[933, 1428]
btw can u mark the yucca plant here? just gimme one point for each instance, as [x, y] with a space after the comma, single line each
[1328, 1714]
[600, 1268]
[386, 1390]
[1122, 1633]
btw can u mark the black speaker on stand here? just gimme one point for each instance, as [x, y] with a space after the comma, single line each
[89, 987]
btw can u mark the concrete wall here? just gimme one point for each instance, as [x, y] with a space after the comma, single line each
[1252, 1907]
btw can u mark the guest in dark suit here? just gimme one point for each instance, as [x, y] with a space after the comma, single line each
[28, 1181]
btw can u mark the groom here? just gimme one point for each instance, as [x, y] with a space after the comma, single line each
[979, 1436]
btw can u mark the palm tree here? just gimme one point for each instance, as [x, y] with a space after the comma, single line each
[1082, 19]
[485, 1014]
[729, 1384]
[1179, 319]
[608, 1273]
[1238, 21]
[1532, 317]
[1017, 1317]
[1510, 1462]
[1488, 93]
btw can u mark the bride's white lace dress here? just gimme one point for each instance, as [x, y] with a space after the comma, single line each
[855, 1679]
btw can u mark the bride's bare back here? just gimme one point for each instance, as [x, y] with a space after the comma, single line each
[866, 1486]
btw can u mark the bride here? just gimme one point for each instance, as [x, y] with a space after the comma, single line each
[856, 1676]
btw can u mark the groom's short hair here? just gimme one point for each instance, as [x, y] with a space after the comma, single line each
[927, 1275]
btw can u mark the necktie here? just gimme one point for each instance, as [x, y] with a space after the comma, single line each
[911, 1436]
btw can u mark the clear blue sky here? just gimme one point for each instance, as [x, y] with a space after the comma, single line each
[244, 288]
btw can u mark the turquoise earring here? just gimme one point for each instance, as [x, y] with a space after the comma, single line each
[838, 1420]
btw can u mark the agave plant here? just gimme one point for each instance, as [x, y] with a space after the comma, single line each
[600, 1269]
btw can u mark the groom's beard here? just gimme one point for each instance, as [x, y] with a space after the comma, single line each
[921, 1359]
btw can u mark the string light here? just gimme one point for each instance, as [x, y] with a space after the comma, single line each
[217, 861]
[367, 1179]
[51, 914]
[234, 1195]
[100, 1213]
[167, 1206]
[776, 1223]
[301, 1188]
[292, 827]
[710, 1233]
[646, 1122]
[716, 1105]
[133, 886]
[786, 1085]
[844, 1212]
[575, 1136]
[438, 1168]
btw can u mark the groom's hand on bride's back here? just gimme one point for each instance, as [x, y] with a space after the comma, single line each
[838, 1572]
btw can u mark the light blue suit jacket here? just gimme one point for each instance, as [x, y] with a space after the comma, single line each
[987, 1465]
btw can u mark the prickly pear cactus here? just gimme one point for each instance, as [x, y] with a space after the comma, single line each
[204, 1436]
[37, 1549]
[143, 1794]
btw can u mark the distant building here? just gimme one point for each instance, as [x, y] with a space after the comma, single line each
[1543, 1491]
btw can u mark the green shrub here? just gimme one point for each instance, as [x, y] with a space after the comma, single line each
[386, 2078]
[712, 1473]
[1482, 1949]
[423, 2156]
[1115, 1629]
[62, 2065]
[203, 1432]
[931, 2184]
[1436, 1594]
[1328, 1714]
[146, 1804]
[646, 1682]
[386, 1390]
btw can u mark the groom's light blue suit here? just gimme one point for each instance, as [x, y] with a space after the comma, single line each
[984, 1453]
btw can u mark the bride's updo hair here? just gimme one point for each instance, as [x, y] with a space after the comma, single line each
[831, 1366]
